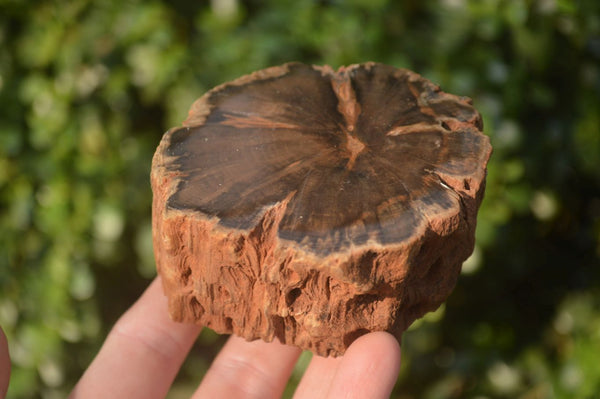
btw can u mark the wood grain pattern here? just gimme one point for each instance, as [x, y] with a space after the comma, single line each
[362, 180]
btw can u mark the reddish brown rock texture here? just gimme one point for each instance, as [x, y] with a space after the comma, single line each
[314, 206]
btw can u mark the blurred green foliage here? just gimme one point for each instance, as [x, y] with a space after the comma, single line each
[88, 87]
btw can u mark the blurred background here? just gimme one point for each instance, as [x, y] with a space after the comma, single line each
[87, 88]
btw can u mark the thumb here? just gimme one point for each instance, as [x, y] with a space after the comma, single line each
[4, 365]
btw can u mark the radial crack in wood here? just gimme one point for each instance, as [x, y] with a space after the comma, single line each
[314, 206]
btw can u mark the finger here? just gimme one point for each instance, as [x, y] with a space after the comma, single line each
[369, 368]
[141, 355]
[4, 365]
[317, 378]
[249, 370]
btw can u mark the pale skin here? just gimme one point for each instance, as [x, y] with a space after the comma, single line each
[145, 349]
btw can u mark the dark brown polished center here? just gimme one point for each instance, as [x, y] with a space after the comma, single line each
[361, 154]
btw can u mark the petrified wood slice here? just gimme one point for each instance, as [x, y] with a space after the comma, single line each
[315, 206]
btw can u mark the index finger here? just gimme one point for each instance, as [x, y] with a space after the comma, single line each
[141, 355]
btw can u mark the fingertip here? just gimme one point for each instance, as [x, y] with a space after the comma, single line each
[369, 368]
[380, 345]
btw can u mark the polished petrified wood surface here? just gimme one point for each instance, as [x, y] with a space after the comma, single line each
[315, 205]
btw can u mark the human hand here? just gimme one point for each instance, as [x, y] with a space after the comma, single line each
[145, 349]
[4, 365]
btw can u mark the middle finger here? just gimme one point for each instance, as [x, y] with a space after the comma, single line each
[249, 370]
